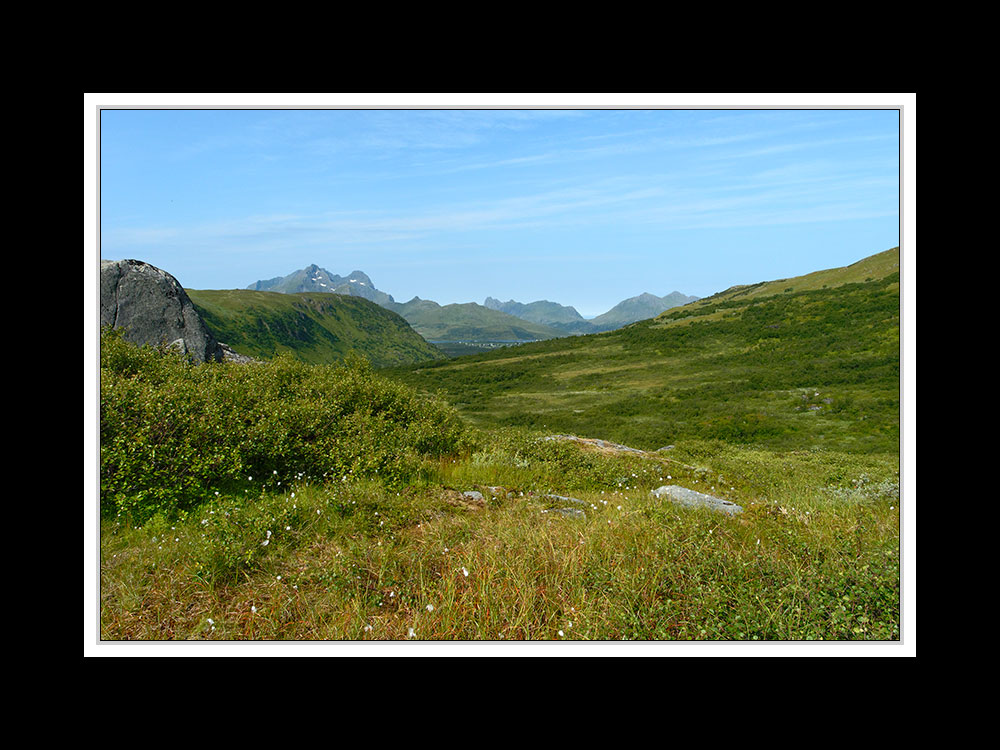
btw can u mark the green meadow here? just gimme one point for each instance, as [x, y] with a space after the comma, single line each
[283, 500]
[814, 368]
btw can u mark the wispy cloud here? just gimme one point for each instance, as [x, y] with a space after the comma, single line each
[450, 187]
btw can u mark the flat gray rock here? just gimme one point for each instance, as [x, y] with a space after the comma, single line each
[690, 498]
[568, 512]
[473, 494]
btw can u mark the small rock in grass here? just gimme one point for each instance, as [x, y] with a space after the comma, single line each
[684, 496]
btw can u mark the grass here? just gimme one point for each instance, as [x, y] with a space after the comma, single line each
[814, 368]
[814, 556]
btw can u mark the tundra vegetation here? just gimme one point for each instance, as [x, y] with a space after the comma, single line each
[283, 500]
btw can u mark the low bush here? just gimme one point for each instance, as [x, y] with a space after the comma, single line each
[174, 433]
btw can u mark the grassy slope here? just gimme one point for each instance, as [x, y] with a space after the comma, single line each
[873, 267]
[815, 555]
[803, 366]
[315, 328]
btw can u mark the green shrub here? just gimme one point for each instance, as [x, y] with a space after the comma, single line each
[174, 433]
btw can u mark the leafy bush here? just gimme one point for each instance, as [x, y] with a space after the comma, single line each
[174, 433]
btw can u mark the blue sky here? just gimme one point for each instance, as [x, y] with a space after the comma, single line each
[585, 207]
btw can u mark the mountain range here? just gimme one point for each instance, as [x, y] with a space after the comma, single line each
[641, 307]
[493, 321]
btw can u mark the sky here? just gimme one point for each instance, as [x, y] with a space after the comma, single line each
[582, 206]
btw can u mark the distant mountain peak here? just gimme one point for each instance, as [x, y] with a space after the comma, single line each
[313, 278]
[640, 307]
[360, 277]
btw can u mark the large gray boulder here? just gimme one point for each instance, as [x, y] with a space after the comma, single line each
[154, 309]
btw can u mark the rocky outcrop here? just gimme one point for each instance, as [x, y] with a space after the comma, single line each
[601, 445]
[154, 309]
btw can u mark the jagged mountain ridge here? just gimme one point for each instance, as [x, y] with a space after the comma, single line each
[316, 279]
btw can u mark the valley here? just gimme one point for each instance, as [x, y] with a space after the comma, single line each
[804, 362]
[354, 483]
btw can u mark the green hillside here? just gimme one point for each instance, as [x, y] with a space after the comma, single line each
[316, 328]
[873, 267]
[468, 322]
[795, 363]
